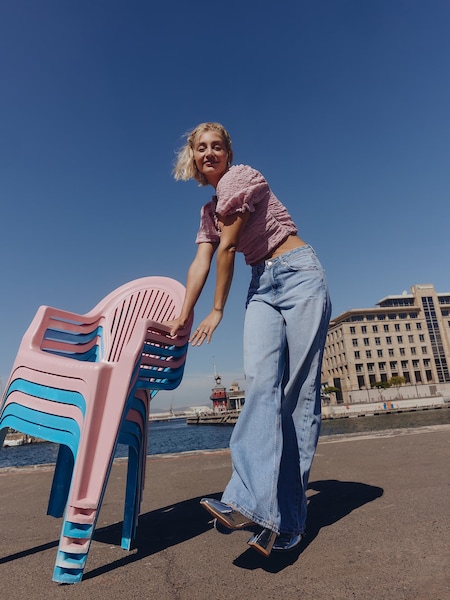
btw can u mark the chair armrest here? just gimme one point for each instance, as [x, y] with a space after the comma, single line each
[47, 317]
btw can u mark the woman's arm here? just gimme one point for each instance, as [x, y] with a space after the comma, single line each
[196, 278]
[231, 228]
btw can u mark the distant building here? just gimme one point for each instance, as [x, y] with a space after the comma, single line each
[406, 335]
[223, 400]
[198, 410]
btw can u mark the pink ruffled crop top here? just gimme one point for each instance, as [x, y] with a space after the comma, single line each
[243, 188]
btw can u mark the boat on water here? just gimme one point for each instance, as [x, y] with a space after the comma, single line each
[226, 405]
[16, 438]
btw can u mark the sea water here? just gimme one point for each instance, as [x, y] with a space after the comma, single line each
[166, 437]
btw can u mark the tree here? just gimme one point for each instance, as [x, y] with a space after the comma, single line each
[329, 389]
[397, 380]
[381, 384]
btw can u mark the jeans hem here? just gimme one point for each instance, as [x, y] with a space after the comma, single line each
[254, 518]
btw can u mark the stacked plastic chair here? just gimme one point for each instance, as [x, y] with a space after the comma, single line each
[85, 382]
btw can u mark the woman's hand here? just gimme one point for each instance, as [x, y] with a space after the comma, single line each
[206, 328]
[175, 325]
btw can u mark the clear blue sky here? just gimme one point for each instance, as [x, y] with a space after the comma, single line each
[342, 104]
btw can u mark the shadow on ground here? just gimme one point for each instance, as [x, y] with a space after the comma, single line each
[157, 530]
[177, 523]
[333, 500]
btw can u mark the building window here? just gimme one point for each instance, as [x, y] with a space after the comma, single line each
[381, 317]
[366, 341]
[377, 341]
[368, 353]
[418, 376]
[391, 351]
[386, 327]
[426, 362]
[413, 315]
[415, 364]
[392, 317]
[404, 364]
[429, 375]
[388, 340]
[411, 339]
[424, 350]
[406, 376]
[413, 350]
[434, 332]
[363, 329]
[418, 325]
[421, 337]
[361, 382]
[397, 327]
[375, 328]
[402, 352]
[380, 353]
[393, 364]
[400, 339]
[382, 366]
[355, 341]
[402, 316]
[370, 367]
[408, 326]
[359, 368]
[352, 329]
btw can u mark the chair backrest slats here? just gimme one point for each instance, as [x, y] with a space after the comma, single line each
[109, 326]
[122, 325]
[155, 304]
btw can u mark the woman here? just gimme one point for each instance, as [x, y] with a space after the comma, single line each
[286, 321]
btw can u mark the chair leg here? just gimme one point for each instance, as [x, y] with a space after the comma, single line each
[3, 433]
[76, 536]
[62, 478]
[132, 498]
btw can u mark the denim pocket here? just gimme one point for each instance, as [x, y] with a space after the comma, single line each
[300, 260]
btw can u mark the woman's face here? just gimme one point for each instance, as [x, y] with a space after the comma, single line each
[211, 156]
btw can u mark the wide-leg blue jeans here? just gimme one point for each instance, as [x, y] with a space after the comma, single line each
[274, 441]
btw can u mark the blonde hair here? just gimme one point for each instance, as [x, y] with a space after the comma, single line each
[185, 167]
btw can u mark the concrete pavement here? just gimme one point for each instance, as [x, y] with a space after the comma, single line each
[378, 529]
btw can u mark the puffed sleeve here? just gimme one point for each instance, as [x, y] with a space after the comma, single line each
[239, 190]
[208, 230]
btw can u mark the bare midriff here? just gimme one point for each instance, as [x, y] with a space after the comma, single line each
[290, 243]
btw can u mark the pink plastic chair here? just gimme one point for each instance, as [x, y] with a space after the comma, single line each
[86, 381]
